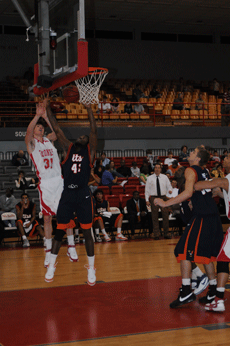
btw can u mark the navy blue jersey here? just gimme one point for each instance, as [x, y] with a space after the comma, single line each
[202, 201]
[76, 167]
[185, 212]
[100, 207]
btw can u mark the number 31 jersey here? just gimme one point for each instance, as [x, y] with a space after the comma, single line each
[76, 167]
[45, 159]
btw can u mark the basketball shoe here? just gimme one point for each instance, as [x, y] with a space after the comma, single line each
[47, 258]
[77, 239]
[91, 275]
[216, 305]
[106, 237]
[98, 238]
[26, 243]
[211, 295]
[185, 296]
[72, 253]
[50, 272]
[200, 284]
[120, 236]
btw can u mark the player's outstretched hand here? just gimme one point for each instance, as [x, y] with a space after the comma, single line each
[46, 102]
[160, 202]
[40, 109]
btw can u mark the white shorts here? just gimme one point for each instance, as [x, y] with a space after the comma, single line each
[50, 191]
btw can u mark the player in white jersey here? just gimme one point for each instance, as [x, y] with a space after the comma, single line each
[216, 303]
[46, 161]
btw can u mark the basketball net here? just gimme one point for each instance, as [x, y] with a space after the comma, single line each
[89, 86]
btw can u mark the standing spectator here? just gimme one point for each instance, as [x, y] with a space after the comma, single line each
[216, 87]
[144, 175]
[107, 177]
[23, 183]
[173, 168]
[137, 93]
[135, 171]
[178, 102]
[138, 213]
[105, 160]
[20, 159]
[139, 108]
[169, 160]
[128, 108]
[158, 185]
[114, 105]
[27, 224]
[105, 106]
[216, 156]
[183, 157]
[123, 169]
[200, 103]
[7, 204]
[225, 109]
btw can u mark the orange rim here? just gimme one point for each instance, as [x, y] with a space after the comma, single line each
[98, 69]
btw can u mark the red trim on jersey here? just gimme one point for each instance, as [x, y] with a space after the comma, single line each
[183, 256]
[45, 209]
[67, 155]
[194, 172]
[86, 225]
[37, 171]
[197, 240]
[64, 226]
[117, 219]
[90, 164]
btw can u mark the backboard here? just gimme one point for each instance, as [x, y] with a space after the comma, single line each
[69, 61]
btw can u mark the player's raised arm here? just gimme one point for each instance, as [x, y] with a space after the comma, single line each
[64, 142]
[93, 132]
[29, 139]
[212, 184]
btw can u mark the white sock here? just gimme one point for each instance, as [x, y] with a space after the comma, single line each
[48, 244]
[91, 260]
[196, 272]
[103, 232]
[220, 289]
[97, 231]
[118, 230]
[24, 237]
[77, 231]
[70, 239]
[213, 282]
[44, 239]
[53, 258]
[186, 282]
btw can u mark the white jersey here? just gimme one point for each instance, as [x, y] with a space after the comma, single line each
[45, 159]
[227, 197]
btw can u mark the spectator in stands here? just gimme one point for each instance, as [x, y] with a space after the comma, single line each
[173, 168]
[123, 169]
[135, 171]
[27, 224]
[216, 87]
[138, 214]
[146, 164]
[128, 108]
[225, 154]
[23, 183]
[105, 160]
[105, 106]
[139, 108]
[174, 192]
[103, 211]
[7, 204]
[183, 157]
[114, 171]
[169, 160]
[144, 175]
[217, 172]
[178, 102]
[137, 93]
[158, 185]
[200, 103]
[115, 105]
[94, 181]
[107, 177]
[225, 109]
[99, 168]
[154, 93]
[216, 156]
[20, 159]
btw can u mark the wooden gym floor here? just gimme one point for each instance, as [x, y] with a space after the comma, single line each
[129, 305]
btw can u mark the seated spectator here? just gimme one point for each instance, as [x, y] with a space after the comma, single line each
[135, 171]
[137, 93]
[183, 157]
[154, 93]
[178, 102]
[23, 183]
[152, 159]
[20, 159]
[216, 87]
[225, 109]
[7, 204]
[107, 178]
[173, 168]
[123, 169]
[114, 171]
[225, 154]
[146, 164]
[218, 172]
[174, 192]
[128, 108]
[105, 160]
[169, 160]
[99, 168]
[27, 224]
[139, 108]
[216, 156]
[138, 214]
[94, 181]
[102, 211]
[200, 103]
[114, 105]
[105, 106]
[144, 175]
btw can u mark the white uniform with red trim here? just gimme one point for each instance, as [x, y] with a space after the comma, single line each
[46, 161]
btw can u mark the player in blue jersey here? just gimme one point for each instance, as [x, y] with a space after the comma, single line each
[76, 196]
[202, 238]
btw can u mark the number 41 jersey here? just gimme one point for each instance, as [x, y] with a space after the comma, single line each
[76, 167]
[45, 159]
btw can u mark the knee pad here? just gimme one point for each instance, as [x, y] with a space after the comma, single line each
[223, 267]
[59, 234]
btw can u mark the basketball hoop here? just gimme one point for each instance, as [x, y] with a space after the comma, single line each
[89, 86]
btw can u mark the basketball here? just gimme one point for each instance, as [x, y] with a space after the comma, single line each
[71, 94]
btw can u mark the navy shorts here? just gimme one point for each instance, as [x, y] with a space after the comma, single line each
[78, 201]
[201, 240]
